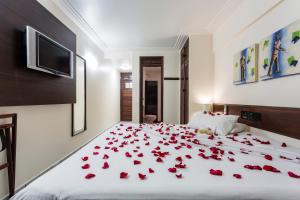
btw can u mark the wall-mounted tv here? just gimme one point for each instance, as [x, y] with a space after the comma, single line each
[46, 55]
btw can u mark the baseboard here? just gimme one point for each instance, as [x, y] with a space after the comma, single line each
[6, 197]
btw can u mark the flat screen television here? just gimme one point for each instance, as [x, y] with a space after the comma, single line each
[46, 55]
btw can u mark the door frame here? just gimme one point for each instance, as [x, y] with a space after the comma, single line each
[151, 61]
[184, 83]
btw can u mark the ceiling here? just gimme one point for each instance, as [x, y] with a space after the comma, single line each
[140, 24]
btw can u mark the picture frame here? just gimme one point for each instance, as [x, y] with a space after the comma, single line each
[279, 53]
[245, 66]
[79, 124]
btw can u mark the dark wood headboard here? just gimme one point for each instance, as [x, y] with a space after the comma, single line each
[281, 120]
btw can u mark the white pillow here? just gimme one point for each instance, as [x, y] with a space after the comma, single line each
[198, 121]
[238, 128]
[220, 124]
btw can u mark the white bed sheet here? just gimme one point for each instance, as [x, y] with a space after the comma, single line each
[66, 181]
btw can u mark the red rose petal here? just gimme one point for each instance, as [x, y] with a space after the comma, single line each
[211, 137]
[151, 171]
[215, 157]
[283, 144]
[140, 155]
[128, 155]
[89, 176]
[142, 176]
[179, 176]
[271, 169]
[179, 159]
[238, 176]
[86, 166]
[230, 152]
[147, 144]
[97, 147]
[216, 172]
[105, 156]
[265, 142]
[188, 156]
[203, 156]
[231, 159]
[136, 162]
[159, 160]
[105, 165]
[172, 170]
[268, 157]
[95, 153]
[293, 175]
[180, 165]
[85, 158]
[253, 167]
[202, 150]
[123, 175]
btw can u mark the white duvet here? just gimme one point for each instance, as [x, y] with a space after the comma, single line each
[67, 180]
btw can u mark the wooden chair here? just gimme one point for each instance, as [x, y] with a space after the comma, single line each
[8, 134]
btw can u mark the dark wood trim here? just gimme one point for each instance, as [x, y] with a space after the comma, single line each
[151, 61]
[184, 83]
[74, 133]
[171, 78]
[9, 132]
[281, 120]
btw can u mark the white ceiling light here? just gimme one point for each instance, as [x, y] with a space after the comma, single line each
[125, 67]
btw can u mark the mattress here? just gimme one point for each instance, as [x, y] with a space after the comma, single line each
[184, 165]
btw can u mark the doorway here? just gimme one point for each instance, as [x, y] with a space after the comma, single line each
[126, 96]
[151, 89]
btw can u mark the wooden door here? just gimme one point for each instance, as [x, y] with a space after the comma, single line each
[184, 83]
[126, 96]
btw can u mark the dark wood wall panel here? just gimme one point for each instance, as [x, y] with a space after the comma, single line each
[281, 120]
[22, 86]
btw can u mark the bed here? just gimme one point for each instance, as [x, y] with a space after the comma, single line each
[165, 161]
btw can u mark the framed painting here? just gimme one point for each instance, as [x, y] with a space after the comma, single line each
[279, 53]
[245, 66]
[79, 108]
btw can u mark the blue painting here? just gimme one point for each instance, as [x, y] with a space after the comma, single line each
[245, 66]
[279, 53]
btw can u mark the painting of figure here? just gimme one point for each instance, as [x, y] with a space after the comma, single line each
[245, 66]
[279, 53]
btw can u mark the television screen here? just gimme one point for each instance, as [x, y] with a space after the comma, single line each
[53, 57]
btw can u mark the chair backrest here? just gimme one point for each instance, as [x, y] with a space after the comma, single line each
[2, 140]
[8, 139]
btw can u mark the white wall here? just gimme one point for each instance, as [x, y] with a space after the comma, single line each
[201, 71]
[44, 132]
[251, 22]
[171, 88]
